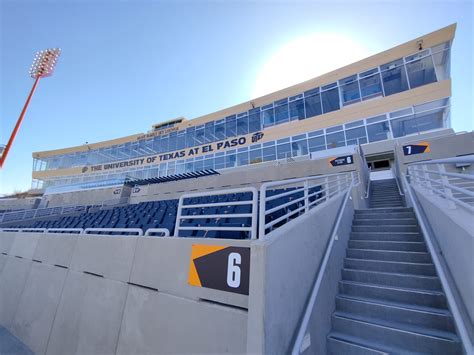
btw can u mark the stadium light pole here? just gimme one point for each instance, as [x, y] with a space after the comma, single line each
[43, 66]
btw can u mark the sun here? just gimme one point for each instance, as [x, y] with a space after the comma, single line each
[307, 57]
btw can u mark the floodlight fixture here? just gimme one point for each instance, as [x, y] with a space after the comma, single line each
[43, 66]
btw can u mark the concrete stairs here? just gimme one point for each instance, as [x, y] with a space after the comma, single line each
[384, 193]
[390, 298]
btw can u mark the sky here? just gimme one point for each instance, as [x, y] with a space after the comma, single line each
[126, 65]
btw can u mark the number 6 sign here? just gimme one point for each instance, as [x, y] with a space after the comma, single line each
[225, 268]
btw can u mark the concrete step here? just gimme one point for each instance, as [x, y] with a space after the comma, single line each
[384, 215]
[385, 222]
[384, 210]
[396, 312]
[392, 279]
[387, 245]
[382, 228]
[426, 298]
[338, 343]
[389, 255]
[387, 335]
[387, 236]
[391, 266]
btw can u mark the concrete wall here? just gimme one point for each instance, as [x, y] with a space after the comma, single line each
[18, 203]
[454, 232]
[70, 294]
[283, 268]
[89, 197]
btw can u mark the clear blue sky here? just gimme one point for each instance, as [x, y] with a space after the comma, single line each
[126, 65]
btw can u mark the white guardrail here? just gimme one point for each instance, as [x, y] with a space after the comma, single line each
[138, 232]
[281, 201]
[453, 306]
[253, 202]
[439, 177]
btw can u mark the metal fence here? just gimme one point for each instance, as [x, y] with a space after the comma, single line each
[451, 179]
[185, 205]
[281, 201]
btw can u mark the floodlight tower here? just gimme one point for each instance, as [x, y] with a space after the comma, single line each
[43, 66]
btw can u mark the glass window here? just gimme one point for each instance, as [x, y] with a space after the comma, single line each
[335, 140]
[313, 105]
[442, 58]
[350, 90]
[333, 129]
[219, 162]
[209, 129]
[190, 141]
[181, 142]
[283, 151]
[230, 126]
[209, 163]
[172, 141]
[164, 143]
[354, 124]
[316, 143]
[402, 112]
[299, 148]
[281, 111]
[255, 156]
[189, 165]
[421, 72]
[199, 135]
[394, 77]
[198, 164]
[268, 116]
[370, 86]
[378, 131]
[255, 124]
[376, 119]
[180, 168]
[230, 160]
[242, 157]
[330, 99]
[316, 133]
[242, 125]
[269, 153]
[219, 130]
[297, 108]
[356, 136]
[430, 120]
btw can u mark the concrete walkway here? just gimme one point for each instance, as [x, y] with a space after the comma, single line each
[11, 345]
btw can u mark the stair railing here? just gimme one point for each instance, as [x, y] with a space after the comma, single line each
[298, 347]
[458, 319]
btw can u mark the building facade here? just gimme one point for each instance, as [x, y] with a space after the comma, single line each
[403, 91]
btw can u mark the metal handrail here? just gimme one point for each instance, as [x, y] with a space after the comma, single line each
[462, 159]
[332, 185]
[253, 215]
[319, 278]
[165, 231]
[367, 190]
[66, 230]
[139, 231]
[459, 322]
[395, 173]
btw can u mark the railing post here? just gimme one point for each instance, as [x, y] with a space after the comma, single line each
[306, 198]
[262, 216]
[326, 182]
[426, 176]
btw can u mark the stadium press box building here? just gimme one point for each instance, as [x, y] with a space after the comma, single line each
[331, 217]
[402, 91]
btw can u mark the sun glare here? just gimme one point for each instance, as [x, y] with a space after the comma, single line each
[305, 58]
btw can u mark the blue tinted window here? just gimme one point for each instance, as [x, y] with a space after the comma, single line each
[370, 86]
[199, 136]
[297, 110]
[190, 142]
[219, 163]
[350, 90]
[164, 143]
[421, 72]
[209, 132]
[230, 161]
[356, 136]
[269, 153]
[181, 143]
[394, 77]
[268, 116]
[316, 143]
[172, 141]
[242, 125]
[299, 148]
[377, 131]
[230, 126]
[335, 140]
[313, 105]
[255, 123]
[281, 111]
[330, 99]
[255, 156]
[283, 151]
[219, 130]
[243, 158]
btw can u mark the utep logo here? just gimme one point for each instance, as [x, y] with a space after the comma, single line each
[117, 191]
[257, 136]
[84, 169]
[136, 190]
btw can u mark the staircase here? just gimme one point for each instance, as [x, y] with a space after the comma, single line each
[390, 299]
[384, 193]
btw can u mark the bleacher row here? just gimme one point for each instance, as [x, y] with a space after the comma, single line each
[162, 214]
